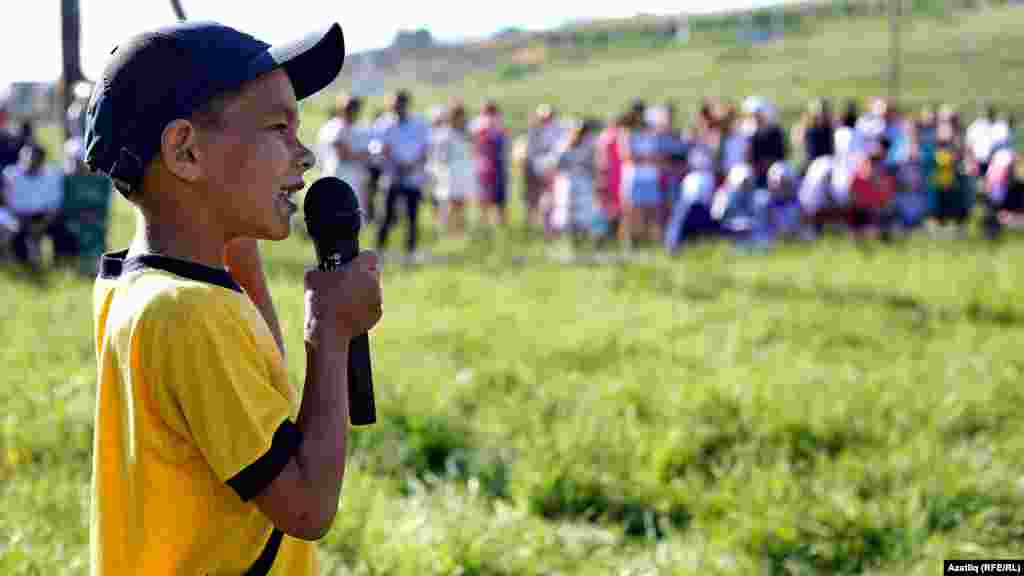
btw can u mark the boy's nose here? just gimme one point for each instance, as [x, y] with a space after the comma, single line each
[306, 158]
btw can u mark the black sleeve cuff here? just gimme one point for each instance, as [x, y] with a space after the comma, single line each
[255, 477]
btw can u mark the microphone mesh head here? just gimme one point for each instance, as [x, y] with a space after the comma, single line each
[330, 195]
[331, 203]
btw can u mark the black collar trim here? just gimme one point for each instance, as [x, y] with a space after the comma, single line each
[114, 264]
[111, 264]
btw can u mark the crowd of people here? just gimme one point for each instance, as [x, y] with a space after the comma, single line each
[41, 199]
[641, 179]
[638, 178]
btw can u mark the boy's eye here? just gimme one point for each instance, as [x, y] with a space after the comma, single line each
[280, 127]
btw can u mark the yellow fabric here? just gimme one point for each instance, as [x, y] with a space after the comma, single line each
[945, 171]
[191, 389]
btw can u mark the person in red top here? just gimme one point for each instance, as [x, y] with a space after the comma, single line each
[609, 169]
[489, 139]
[873, 187]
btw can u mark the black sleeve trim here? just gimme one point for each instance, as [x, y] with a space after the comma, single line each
[263, 564]
[258, 475]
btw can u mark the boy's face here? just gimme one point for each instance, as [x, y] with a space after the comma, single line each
[253, 162]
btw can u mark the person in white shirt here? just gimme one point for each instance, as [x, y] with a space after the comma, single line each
[980, 142]
[850, 150]
[453, 168]
[344, 147]
[406, 140]
[33, 193]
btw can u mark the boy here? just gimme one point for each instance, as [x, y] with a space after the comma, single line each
[204, 461]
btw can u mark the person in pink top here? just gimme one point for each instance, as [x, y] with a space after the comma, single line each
[489, 137]
[609, 181]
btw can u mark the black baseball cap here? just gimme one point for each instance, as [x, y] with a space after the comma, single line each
[168, 73]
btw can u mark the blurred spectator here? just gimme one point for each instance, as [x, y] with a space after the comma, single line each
[33, 192]
[948, 114]
[691, 212]
[609, 179]
[641, 191]
[542, 138]
[872, 189]
[27, 134]
[1004, 193]
[784, 217]
[949, 196]
[454, 168]
[820, 202]
[573, 206]
[742, 209]
[376, 179]
[673, 149]
[8, 230]
[491, 143]
[85, 207]
[344, 147]
[849, 150]
[768, 142]
[980, 141]
[735, 144]
[406, 140]
[883, 121]
[8, 140]
[1003, 135]
[438, 118]
[818, 134]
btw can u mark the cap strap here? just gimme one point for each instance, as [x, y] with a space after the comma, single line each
[127, 169]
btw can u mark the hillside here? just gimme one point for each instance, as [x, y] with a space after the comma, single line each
[960, 57]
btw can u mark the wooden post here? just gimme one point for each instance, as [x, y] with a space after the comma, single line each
[179, 12]
[72, 63]
[895, 51]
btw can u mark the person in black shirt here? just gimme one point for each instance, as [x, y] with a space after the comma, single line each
[819, 135]
[768, 144]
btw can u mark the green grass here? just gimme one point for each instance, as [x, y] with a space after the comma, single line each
[821, 409]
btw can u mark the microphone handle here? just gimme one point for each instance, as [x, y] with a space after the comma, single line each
[362, 410]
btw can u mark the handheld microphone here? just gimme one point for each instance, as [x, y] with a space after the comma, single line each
[333, 220]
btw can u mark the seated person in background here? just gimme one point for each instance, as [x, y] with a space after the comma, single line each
[784, 217]
[691, 211]
[1004, 193]
[33, 192]
[741, 208]
[873, 187]
[85, 207]
[820, 201]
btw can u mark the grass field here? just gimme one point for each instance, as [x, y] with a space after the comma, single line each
[822, 409]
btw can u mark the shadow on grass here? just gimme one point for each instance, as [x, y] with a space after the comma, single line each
[429, 449]
[564, 496]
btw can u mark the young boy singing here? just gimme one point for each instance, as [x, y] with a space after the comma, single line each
[205, 459]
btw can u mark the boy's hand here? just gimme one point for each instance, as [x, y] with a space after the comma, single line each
[344, 303]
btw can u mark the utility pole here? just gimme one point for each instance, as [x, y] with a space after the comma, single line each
[178, 10]
[895, 51]
[70, 25]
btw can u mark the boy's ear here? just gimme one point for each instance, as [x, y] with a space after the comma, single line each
[179, 151]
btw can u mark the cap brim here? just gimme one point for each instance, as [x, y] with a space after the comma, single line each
[312, 62]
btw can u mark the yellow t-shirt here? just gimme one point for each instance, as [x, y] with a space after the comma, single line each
[194, 417]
